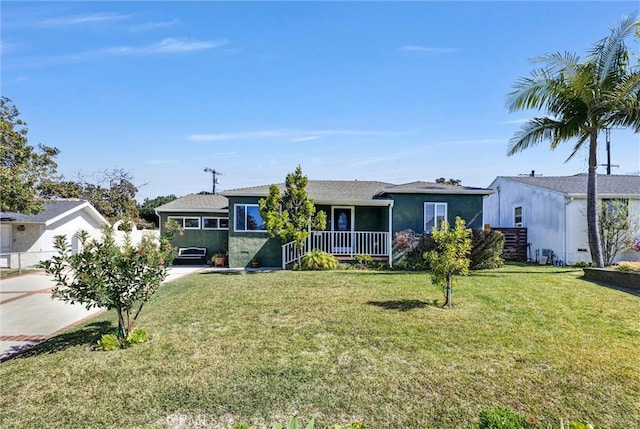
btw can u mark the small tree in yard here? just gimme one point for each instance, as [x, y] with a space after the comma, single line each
[451, 255]
[106, 275]
[289, 216]
[618, 225]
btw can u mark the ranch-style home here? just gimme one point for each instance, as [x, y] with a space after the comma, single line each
[27, 239]
[553, 210]
[362, 217]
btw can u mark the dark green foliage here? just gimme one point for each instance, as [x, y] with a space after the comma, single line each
[502, 418]
[319, 260]
[148, 207]
[414, 249]
[24, 170]
[486, 248]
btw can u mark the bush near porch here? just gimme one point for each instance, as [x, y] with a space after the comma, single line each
[344, 346]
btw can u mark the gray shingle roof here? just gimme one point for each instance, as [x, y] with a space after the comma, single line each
[430, 187]
[324, 190]
[196, 202]
[52, 209]
[357, 190]
[577, 184]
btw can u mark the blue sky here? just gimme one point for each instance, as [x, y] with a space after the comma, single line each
[391, 91]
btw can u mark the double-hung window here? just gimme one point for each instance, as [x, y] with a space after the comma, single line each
[247, 218]
[186, 222]
[215, 223]
[517, 217]
[434, 215]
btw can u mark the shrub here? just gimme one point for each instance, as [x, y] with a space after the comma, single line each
[319, 260]
[108, 342]
[486, 248]
[502, 418]
[628, 266]
[137, 336]
[581, 264]
[364, 261]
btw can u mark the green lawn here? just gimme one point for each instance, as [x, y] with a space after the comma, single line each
[344, 346]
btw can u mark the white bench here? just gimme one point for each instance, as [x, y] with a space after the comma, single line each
[192, 253]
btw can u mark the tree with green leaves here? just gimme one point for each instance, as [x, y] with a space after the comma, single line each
[24, 170]
[452, 182]
[105, 275]
[148, 207]
[291, 215]
[618, 225]
[111, 192]
[581, 99]
[451, 255]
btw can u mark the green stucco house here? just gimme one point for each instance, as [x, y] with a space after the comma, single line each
[362, 217]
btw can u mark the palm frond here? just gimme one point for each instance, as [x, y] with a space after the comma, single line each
[535, 131]
[531, 92]
[557, 63]
[576, 147]
[608, 52]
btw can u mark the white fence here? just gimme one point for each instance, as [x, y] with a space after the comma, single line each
[350, 243]
[24, 260]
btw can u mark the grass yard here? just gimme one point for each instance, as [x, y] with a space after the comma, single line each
[344, 346]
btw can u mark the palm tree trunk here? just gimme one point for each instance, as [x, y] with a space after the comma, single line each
[593, 232]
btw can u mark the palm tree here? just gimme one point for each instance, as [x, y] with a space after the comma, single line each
[581, 99]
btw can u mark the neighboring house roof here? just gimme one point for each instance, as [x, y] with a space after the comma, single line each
[54, 210]
[196, 203]
[608, 185]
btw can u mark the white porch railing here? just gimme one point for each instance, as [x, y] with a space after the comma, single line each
[373, 243]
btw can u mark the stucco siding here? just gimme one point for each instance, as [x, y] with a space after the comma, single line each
[408, 210]
[215, 241]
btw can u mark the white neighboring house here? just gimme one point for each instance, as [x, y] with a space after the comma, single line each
[27, 239]
[553, 209]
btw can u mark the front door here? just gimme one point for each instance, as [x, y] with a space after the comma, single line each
[342, 226]
[5, 246]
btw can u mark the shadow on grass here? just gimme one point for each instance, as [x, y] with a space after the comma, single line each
[239, 271]
[85, 336]
[402, 305]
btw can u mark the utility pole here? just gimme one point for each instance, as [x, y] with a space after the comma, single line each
[214, 173]
[607, 133]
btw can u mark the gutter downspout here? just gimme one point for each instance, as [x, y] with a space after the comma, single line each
[390, 239]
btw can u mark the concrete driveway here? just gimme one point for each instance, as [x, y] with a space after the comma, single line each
[28, 314]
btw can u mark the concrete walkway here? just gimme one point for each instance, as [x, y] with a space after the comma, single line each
[28, 314]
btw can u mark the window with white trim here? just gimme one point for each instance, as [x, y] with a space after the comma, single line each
[517, 217]
[247, 218]
[215, 223]
[186, 222]
[434, 215]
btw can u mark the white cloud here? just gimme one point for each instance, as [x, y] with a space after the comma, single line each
[428, 49]
[515, 121]
[293, 135]
[82, 19]
[153, 25]
[166, 46]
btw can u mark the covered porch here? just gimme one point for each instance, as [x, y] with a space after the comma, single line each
[352, 230]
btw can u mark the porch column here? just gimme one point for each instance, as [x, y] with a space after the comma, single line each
[390, 238]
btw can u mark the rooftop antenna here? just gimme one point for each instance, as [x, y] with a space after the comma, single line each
[214, 173]
[607, 134]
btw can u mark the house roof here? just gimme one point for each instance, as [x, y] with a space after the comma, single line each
[196, 203]
[433, 188]
[53, 210]
[350, 191]
[324, 190]
[577, 185]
